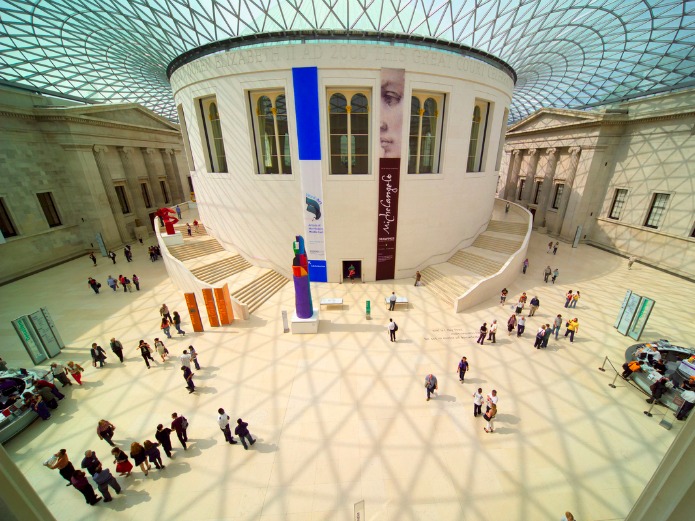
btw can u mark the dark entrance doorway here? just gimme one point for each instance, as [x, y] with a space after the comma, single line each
[356, 265]
[533, 214]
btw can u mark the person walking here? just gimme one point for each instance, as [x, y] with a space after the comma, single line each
[483, 333]
[550, 246]
[489, 417]
[223, 422]
[62, 463]
[163, 436]
[572, 329]
[242, 430]
[556, 272]
[392, 327]
[392, 301]
[145, 352]
[462, 368]
[535, 304]
[555, 247]
[104, 479]
[493, 332]
[93, 284]
[546, 336]
[123, 465]
[177, 323]
[90, 462]
[105, 431]
[112, 256]
[511, 323]
[94, 259]
[188, 377]
[128, 253]
[79, 481]
[136, 281]
[137, 452]
[519, 307]
[520, 326]
[164, 312]
[180, 425]
[76, 371]
[431, 385]
[112, 283]
[503, 296]
[117, 348]
[477, 402]
[546, 274]
[153, 454]
[98, 355]
[194, 357]
[418, 277]
[525, 266]
[121, 280]
[557, 324]
[60, 373]
[539, 337]
[160, 348]
[188, 230]
[575, 299]
[195, 225]
[568, 298]
[165, 326]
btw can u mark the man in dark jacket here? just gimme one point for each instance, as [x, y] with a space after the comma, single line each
[163, 436]
[90, 462]
[658, 389]
[180, 425]
[242, 430]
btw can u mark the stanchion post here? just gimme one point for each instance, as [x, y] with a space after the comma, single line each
[612, 384]
[649, 412]
[605, 359]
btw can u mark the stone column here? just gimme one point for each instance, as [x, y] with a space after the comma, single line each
[19, 500]
[571, 172]
[173, 178]
[547, 188]
[133, 184]
[155, 170]
[513, 175]
[531, 166]
[107, 181]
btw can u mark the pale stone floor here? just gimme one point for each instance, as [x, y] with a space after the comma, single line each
[341, 416]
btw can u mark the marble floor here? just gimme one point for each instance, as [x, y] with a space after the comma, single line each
[341, 416]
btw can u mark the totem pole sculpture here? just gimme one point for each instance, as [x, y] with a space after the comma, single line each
[300, 272]
[165, 214]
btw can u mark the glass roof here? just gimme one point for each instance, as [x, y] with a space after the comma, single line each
[566, 53]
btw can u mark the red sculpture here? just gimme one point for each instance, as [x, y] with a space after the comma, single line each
[165, 214]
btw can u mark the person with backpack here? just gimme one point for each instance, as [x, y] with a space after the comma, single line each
[392, 327]
[180, 425]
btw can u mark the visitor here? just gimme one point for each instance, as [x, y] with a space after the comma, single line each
[152, 451]
[105, 431]
[188, 377]
[103, 478]
[568, 298]
[177, 323]
[137, 452]
[112, 256]
[76, 371]
[93, 284]
[483, 333]
[194, 357]
[145, 352]
[477, 402]
[546, 274]
[242, 430]
[503, 295]
[123, 465]
[117, 348]
[161, 348]
[136, 281]
[556, 272]
[489, 416]
[79, 481]
[462, 368]
[575, 299]
[223, 422]
[90, 462]
[535, 304]
[392, 301]
[572, 328]
[525, 266]
[520, 326]
[112, 283]
[163, 436]
[164, 312]
[165, 326]
[180, 425]
[431, 385]
[557, 324]
[98, 355]
[511, 323]
[493, 332]
[392, 328]
[62, 463]
[94, 259]
[60, 373]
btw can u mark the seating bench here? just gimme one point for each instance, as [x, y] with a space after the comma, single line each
[399, 300]
[331, 302]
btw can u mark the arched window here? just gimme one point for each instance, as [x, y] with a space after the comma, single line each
[214, 116]
[425, 133]
[349, 132]
[211, 134]
[476, 146]
[272, 133]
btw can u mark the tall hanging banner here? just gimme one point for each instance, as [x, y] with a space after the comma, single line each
[390, 137]
[305, 82]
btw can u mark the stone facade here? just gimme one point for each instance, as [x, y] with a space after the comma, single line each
[79, 154]
[610, 167]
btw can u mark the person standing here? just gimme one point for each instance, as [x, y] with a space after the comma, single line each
[520, 326]
[60, 373]
[90, 462]
[76, 371]
[62, 463]
[105, 431]
[489, 416]
[117, 348]
[79, 481]
[392, 327]
[572, 329]
[121, 281]
[462, 368]
[112, 256]
[242, 430]
[557, 324]
[503, 295]
[164, 312]
[177, 323]
[575, 299]
[44, 383]
[188, 230]
[47, 397]
[185, 359]
[178, 212]
[539, 337]
[688, 404]
[146, 352]
[137, 452]
[163, 436]
[519, 307]
[194, 357]
[555, 247]
[165, 326]
[188, 377]
[483, 333]
[195, 225]
[546, 274]
[136, 281]
[550, 246]
[525, 264]
[535, 304]
[546, 336]
[180, 425]
[123, 465]
[431, 385]
[98, 355]
[491, 400]
[511, 323]
[477, 402]
[493, 331]
[128, 253]
[568, 298]
[36, 403]
[94, 259]
[418, 277]
[556, 272]
[223, 422]
[160, 348]
[111, 283]
[153, 454]
[103, 478]
[392, 301]
[93, 284]
[630, 261]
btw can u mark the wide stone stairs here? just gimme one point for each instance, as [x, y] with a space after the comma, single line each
[254, 294]
[221, 269]
[193, 249]
[446, 288]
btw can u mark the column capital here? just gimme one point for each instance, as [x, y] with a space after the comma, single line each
[575, 150]
[169, 151]
[531, 152]
[516, 152]
[150, 150]
[100, 148]
[550, 151]
[127, 150]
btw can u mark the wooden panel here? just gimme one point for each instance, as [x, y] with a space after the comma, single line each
[210, 307]
[193, 312]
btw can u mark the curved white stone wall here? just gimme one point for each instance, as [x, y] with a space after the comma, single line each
[259, 215]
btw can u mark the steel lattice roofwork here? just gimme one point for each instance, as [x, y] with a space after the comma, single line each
[565, 53]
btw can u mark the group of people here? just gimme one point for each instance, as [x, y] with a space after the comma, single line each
[125, 282]
[167, 319]
[551, 274]
[154, 252]
[189, 230]
[241, 430]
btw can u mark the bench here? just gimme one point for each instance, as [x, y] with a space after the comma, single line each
[331, 302]
[399, 300]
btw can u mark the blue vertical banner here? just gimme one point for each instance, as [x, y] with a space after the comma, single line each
[305, 83]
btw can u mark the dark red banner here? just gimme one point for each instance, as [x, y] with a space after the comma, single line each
[389, 177]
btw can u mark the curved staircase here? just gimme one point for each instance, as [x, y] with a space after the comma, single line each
[256, 292]
[221, 269]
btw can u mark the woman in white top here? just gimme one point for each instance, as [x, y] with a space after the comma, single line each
[489, 416]
[161, 349]
[477, 402]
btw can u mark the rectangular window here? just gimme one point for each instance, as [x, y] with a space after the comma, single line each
[476, 145]
[521, 189]
[145, 195]
[657, 210]
[539, 186]
[165, 192]
[190, 184]
[186, 139]
[6, 225]
[348, 127]
[425, 135]
[49, 209]
[503, 136]
[618, 203]
[559, 188]
[211, 134]
[271, 132]
[122, 199]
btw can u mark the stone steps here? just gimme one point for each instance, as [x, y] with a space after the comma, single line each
[195, 248]
[255, 293]
[444, 287]
[512, 228]
[475, 263]
[487, 242]
[221, 269]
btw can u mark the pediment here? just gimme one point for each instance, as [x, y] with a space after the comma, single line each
[127, 114]
[549, 119]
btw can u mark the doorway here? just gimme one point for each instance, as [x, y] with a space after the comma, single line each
[533, 214]
[350, 265]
